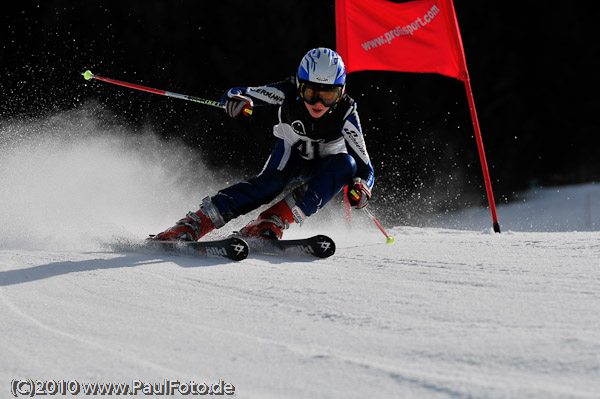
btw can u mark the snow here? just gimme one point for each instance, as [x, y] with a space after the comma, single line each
[452, 311]
[551, 209]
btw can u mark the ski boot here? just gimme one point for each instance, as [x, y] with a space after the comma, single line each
[271, 223]
[195, 225]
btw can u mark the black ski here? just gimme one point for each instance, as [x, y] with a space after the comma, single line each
[319, 246]
[233, 248]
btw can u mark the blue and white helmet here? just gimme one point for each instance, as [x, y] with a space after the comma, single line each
[322, 66]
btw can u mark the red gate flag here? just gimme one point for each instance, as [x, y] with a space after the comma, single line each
[417, 36]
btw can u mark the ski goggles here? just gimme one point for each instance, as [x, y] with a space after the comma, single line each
[312, 94]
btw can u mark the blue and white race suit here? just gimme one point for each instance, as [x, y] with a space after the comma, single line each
[327, 153]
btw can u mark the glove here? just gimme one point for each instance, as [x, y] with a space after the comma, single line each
[239, 106]
[359, 193]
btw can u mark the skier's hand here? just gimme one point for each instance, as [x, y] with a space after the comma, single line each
[359, 193]
[239, 106]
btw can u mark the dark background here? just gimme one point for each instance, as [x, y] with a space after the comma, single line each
[532, 68]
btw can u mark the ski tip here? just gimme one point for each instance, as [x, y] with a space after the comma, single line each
[326, 246]
[238, 249]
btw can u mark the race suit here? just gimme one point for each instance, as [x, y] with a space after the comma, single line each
[326, 153]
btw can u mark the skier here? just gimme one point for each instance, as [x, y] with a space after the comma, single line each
[320, 142]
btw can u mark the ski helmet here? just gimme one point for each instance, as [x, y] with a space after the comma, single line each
[322, 66]
[321, 76]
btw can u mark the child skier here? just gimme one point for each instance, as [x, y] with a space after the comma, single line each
[320, 142]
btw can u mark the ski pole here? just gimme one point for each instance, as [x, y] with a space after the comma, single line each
[388, 238]
[89, 75]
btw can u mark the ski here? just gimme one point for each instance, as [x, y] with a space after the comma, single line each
[319, 246]
[233, 248]
[237, 248]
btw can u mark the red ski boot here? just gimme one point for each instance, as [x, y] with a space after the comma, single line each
[195, 225]
[271, 223]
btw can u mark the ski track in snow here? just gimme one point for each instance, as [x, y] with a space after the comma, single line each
[441, 313]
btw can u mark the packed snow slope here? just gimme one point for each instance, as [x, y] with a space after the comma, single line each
[452, 312]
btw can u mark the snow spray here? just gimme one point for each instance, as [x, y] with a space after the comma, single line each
[77, 179]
